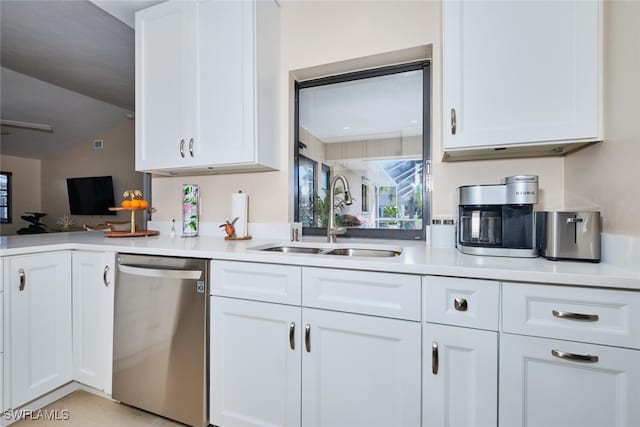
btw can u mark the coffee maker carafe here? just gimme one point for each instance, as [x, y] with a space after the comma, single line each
[498, 219]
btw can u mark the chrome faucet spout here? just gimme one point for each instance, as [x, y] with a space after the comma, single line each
[332, 230]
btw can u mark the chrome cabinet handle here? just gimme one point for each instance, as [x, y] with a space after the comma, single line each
[104, 276]
[23, 279]
[161, 272]
[292, 336]
[583, 358]
[575, 316]
[182, 148]
[307, 337]
[434, 358]
[453, 121]
[460, 304]
[191, 147]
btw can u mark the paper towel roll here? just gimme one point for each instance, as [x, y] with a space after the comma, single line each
[240, 209]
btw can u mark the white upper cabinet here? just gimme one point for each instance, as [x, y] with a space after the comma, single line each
[166, 92]
[521, 73]
[207, 87]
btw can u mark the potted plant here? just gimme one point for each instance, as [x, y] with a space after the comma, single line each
[391, 211]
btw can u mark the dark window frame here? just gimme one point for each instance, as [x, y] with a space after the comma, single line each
[8, 219]
[315, 184]
[426, 148]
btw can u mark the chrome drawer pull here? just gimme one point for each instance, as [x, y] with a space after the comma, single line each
[434, 358]
[23, 279]
[292, 336]
[454, 125]
[307, 338]
[576, 316]
[460, 304]
[182, 148]
[104, 276]
[191, 147]
[575, 357]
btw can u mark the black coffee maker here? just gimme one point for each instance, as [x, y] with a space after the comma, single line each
[498, 220]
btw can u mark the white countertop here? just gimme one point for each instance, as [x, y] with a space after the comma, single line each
[416, 258]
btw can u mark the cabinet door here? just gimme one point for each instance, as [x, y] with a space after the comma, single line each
[166, 86]
[40, 317]
[520, 72]
[460, 377]
[255, 364]
[360, 371]
[93, 318]
[226, 105]
[538, 389]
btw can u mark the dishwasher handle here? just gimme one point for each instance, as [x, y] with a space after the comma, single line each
[160, 272]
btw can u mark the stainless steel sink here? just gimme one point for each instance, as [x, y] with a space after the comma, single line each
[379, 253]
[293, 250]
[363, 251]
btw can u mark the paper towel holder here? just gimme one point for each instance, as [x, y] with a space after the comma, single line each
[239, 210]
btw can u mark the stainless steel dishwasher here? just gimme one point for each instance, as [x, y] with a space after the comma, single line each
[161, 336]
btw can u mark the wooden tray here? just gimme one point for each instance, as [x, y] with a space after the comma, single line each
[120, 208]
[132, 231]
[139, 233]
[237, 238]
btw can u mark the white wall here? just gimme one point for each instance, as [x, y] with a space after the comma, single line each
[81, 160]
[314, 33]
[25, 190]
[606, 177]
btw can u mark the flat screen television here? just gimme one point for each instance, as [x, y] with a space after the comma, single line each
[91, 195]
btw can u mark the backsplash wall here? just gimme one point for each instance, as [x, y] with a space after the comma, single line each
[359, 29]
[606, 176]
[26, 190]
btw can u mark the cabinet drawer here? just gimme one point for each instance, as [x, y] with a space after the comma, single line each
[378, 294]
[546, 382]
[263, 282]
[461, 302]
[600, 316]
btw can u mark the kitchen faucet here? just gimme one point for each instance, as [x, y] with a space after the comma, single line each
[332, 230]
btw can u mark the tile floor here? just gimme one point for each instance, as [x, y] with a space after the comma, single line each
[87, 410]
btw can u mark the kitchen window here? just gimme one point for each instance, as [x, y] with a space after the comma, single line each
[372, 127]
[5, 197]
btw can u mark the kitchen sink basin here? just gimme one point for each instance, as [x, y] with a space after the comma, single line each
[340, 250]
[293, 250]
[376, 253]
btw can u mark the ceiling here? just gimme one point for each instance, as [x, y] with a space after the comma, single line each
[374, 108]
[124, 10]
[74, 117]
[72, 44]
[68, 64]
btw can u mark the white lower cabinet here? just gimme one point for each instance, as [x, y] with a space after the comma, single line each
[93, 297]
[359, 371]
[554, 383]
[280, 365]
[39, 288]
[460, 373]
[255, 363]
